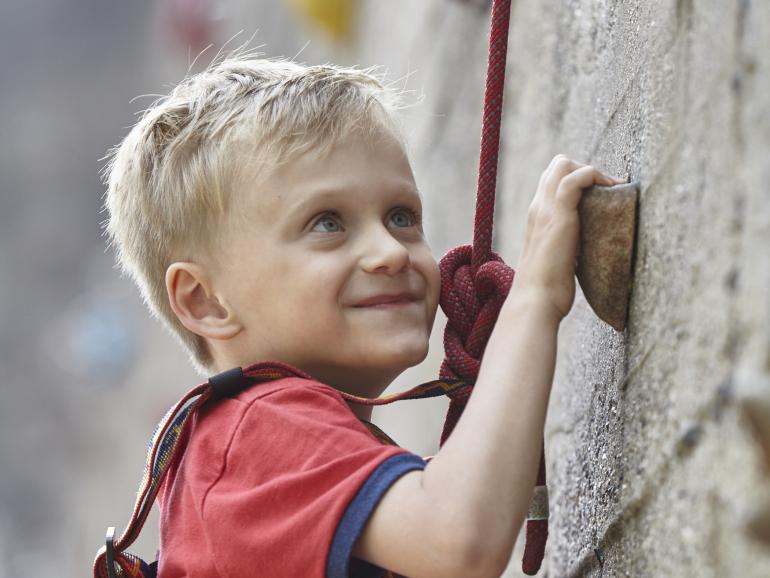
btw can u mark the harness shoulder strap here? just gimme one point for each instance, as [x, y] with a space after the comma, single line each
[112, 560]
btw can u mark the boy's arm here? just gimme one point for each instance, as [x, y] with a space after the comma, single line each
[461, 515]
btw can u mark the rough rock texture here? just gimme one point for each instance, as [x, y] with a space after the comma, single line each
[652, 467]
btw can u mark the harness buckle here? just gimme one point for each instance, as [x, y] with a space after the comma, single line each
[110, 552]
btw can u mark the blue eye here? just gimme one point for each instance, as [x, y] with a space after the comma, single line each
[404, 218]
[327, 224]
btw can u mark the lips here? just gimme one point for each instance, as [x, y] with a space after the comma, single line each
[394, 299]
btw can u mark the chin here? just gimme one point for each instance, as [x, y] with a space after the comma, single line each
[402, 357]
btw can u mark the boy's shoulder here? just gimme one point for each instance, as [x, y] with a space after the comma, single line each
[289, 393]
[270, 428]
[294, 404]
[292, 451]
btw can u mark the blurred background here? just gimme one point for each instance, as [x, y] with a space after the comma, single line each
[85, 372]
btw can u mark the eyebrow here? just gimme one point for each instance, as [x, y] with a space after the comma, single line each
[324, 195]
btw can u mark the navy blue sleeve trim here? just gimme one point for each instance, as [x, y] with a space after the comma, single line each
[360, 508]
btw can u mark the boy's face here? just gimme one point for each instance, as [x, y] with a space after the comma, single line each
[330, 270]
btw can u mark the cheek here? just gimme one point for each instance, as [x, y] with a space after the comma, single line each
[436, 280]
[432, 277]
[320, 280]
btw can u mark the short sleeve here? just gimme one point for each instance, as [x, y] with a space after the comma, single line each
[301, 476]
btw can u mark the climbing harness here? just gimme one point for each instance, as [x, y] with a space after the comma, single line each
[474, 284]
[168, 441]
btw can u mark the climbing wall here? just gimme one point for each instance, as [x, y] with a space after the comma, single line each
[653, 469]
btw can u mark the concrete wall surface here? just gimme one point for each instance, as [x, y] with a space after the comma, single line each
[651, 466]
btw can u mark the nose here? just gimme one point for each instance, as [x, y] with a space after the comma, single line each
[383, 253]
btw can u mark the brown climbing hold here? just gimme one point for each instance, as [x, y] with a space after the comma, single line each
[753, 393]
[754, 399]
[758, 523]
[606, 252]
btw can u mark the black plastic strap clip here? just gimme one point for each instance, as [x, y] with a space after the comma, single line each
[228, 383]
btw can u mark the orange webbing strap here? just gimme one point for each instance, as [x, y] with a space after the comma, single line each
[111, 560]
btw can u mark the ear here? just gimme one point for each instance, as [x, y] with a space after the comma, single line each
[195, 303]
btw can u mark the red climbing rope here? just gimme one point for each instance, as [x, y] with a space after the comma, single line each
[475, 281]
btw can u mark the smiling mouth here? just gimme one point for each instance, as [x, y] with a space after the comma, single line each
[391, 305]
[386, 301]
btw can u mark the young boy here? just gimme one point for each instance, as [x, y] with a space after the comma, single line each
[268, 211]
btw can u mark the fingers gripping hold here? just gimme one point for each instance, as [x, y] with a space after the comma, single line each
[571, 187]
[547, 260]
[559, 168]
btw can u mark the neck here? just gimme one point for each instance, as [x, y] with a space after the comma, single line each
[368, 384]
[361, 411]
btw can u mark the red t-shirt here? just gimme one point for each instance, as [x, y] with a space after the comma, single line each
[275, 482]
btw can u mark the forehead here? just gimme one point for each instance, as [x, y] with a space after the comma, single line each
[356, 168]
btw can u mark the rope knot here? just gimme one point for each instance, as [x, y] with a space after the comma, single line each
[471, 301]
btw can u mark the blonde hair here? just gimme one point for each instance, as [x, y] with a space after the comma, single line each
[170, 181]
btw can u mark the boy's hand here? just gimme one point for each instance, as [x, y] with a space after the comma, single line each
[546, 268]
